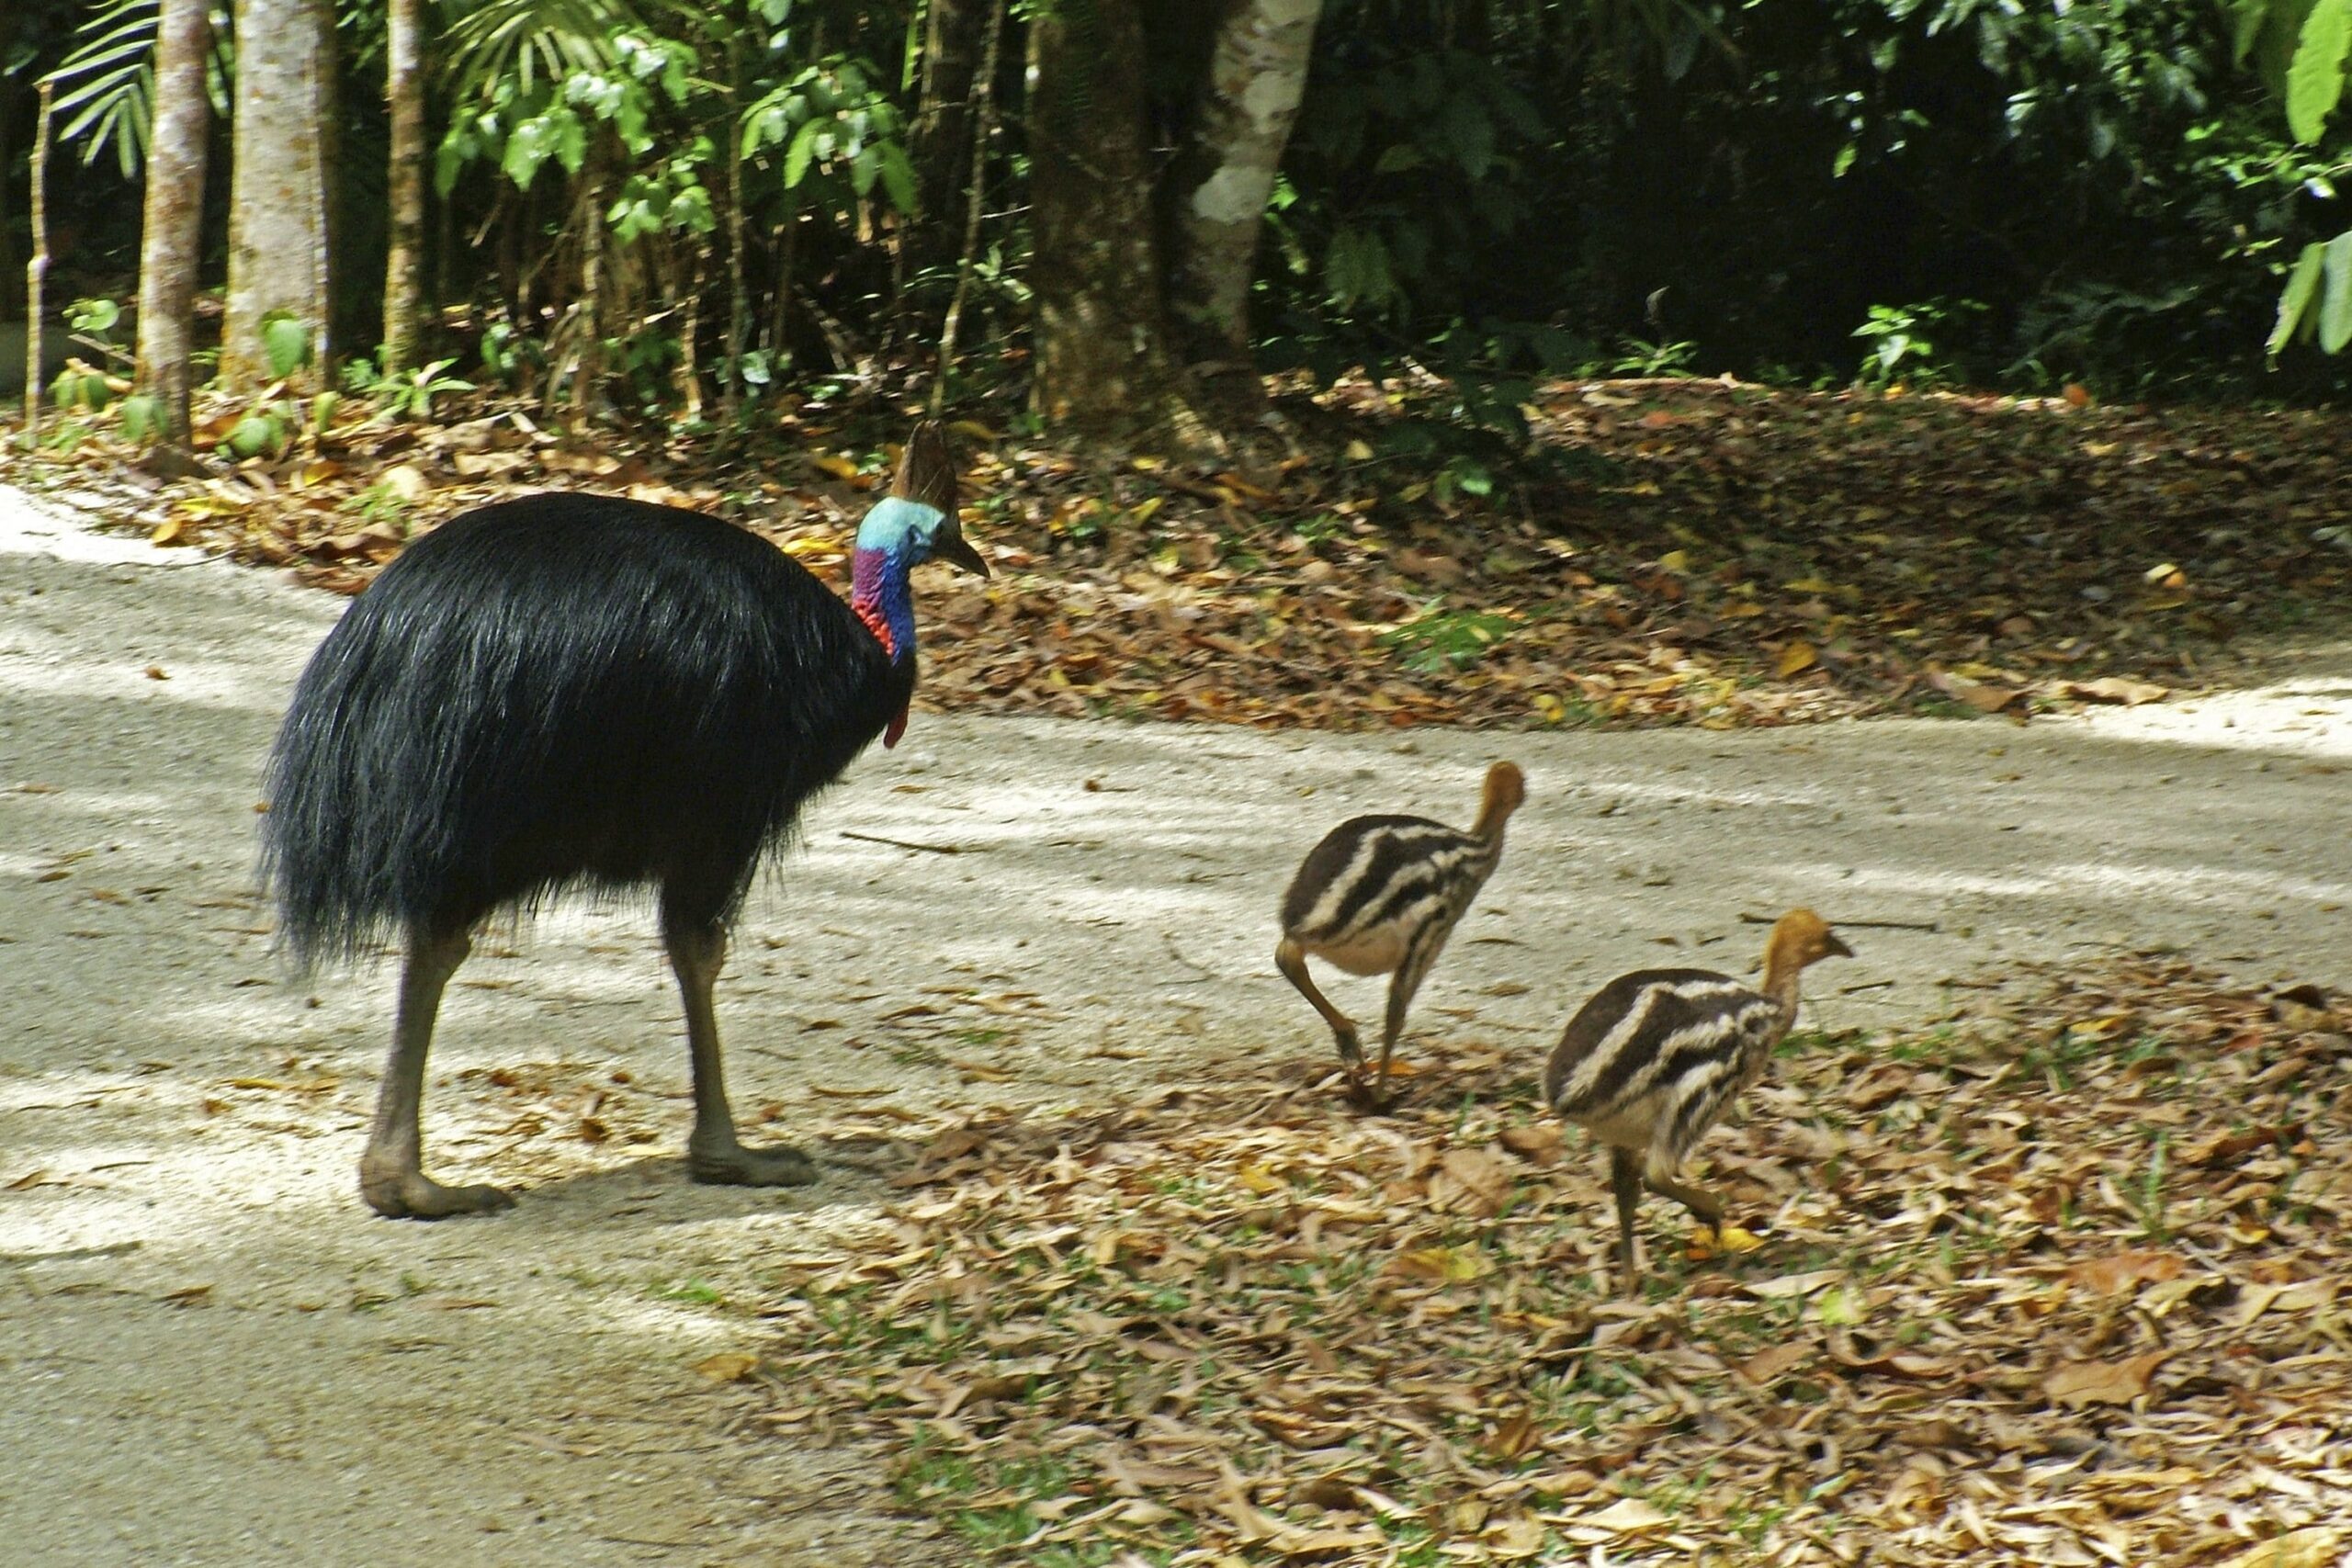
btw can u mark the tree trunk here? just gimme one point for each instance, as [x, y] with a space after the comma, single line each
[975, 202]
[940, 140]
[37, 265]
[278, 192]
[404, 313]
[171, 248]
[1256, 77]
[1104, 371]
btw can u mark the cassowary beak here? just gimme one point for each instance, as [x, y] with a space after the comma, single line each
[949, 545]
[1836, 948]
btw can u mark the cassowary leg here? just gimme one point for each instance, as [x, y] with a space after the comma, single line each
[1291, 959]
[1625, 1178]
[390, 1173]
[698, 952]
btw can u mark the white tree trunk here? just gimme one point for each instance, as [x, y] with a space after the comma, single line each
[278, 190]
[170, 244]
[1257, 76]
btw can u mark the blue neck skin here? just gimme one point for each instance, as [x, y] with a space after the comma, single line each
[884, 598]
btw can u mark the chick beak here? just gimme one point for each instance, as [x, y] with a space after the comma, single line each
[1834, 948]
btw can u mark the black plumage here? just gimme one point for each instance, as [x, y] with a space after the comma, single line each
[560, 690]
[1380, 896]
[573, 690]
[1654, 1057]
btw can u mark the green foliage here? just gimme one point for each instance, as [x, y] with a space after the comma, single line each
[1438, 639]
[142, 416]
[2315, 303]
[2315, 75]
[111, 102]
[286, 342]
[1901, 349]
[404, 394]
[833, 119]
[79, 387]
[262, 433]
[1646, 357]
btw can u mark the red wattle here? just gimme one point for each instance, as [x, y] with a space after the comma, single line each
[898, 727]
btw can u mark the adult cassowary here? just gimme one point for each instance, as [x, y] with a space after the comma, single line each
[576, 690]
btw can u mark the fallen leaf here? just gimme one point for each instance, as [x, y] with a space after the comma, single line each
[2105, 1276]
[1767, 1365]
[1788, 1285]
[2078, 1383]
[1447, 1265]
[728, 1366]
[1796, 657]
[2315, 1546]
[1732, 1241]
[2116, 689]
[1538, 1143]
[1627, 1515]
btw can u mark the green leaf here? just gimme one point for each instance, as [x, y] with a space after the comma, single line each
[571, 142]
[142, 417]
[286, 341]
[2335, 300]
[897, 176]
[803, 148]
[2295, 298]
[527, 149]
[2315, 79]
[2246, 26]
[254, 435]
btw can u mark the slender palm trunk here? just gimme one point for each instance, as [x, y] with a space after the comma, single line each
[170, 249]
[404, 312]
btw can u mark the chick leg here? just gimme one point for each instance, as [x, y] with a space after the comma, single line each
[1625, 1178]
[1697, 1200]
[1291, 959]
[1402, 987]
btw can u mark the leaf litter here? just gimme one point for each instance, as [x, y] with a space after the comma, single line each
[1671, 552]
[2054, 1302]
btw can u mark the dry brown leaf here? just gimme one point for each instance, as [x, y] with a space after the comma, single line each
[2078, 1383]
[1627, 1515]
[1767, 1365]
[2116, 689]
[1788, 1285]
[1538, 1143]
[1471, 1179]
[1447, 1265]
[2105, 1276]
[2315, 1546]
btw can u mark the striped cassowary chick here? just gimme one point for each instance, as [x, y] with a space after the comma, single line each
[1649, 1063]
[579, 690]
[1380, 894]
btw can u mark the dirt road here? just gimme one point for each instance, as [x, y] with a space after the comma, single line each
[210, 1353]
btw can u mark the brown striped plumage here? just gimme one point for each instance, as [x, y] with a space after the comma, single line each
[1649, 1063]
[1380, 894]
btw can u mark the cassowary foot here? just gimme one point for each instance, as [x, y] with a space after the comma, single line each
[733, 1165]
[1350, 1052]
[412, 1195]
[1370, 1095]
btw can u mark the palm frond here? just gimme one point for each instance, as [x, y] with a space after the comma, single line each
[112, 99]
[531, 38]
